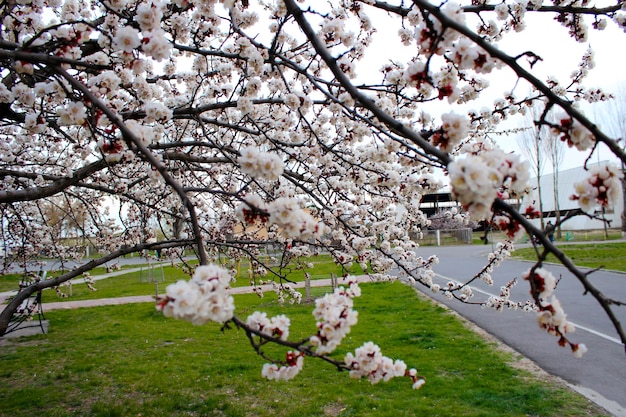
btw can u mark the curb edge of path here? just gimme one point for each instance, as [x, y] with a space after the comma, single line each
[521, 361]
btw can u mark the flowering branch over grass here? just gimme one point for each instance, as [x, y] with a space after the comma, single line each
[188, 125]
[204, 299]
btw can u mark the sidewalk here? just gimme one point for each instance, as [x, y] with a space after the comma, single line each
[68, 305]
[80, 280]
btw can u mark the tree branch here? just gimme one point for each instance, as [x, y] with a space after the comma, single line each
[59, 184]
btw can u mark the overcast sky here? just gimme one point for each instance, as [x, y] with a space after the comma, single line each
[560, 55]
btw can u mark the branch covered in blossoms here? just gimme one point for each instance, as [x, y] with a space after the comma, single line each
[262, 132]
[205, 298]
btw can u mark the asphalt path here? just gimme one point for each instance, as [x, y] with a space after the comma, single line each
[600, 374]
[53, 264]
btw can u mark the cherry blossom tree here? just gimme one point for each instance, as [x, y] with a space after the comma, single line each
[237, 125]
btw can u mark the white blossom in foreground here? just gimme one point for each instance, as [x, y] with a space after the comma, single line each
[503, 301]
[294, 222]
[73, 114]
[368, 362]
[144, 133]
[149, 15]
[477, 180]
[156, 45]
[551, 317]
[284, 212]
[473, 185]
[335, 317]
[126, 39]
[277, 326]
[579, 350]
[454, 128]
[253, 208]
[543, 281]
[259, 164]
[295, 362]
[201, 299]
[575, 134]
[157, 111]
[602, 188]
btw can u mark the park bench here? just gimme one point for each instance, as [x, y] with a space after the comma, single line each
[30, 311]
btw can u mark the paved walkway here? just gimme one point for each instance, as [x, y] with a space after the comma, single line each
[64, 305]
[67, 305]
[80, 280]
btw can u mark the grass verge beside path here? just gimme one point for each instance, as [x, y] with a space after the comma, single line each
[10, 282]
[138, 283]
[605, 255]
[129, 360]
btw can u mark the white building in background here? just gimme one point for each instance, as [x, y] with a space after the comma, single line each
[567, 179]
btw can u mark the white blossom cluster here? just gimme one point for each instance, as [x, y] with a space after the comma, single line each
[478, 179]
[509, 226]
[286, 291]
[502, 251]
[293, 221]
[369, 362]
[430, 38]
[503, 300]
[295, 362]
[469, 56]
[335, 317]
[602, 188]
[283, 212]
[201, 299]
[334, 31]
[575, 134]
[455, 128]
[145, 133]
[253, 208]
[154, 42]
[550, 316]
[552, 319]
[126, 39]
[544, 282]
[277, 326]
[260, 164]
[72, 114]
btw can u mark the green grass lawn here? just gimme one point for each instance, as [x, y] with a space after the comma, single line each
[10, 282]
[129, 284]
[606, 255]
[129, 361]
[148, 280]
[567, 236]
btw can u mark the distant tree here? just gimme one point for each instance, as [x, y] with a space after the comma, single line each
[531, 141]
[555, 150]
[544, 144]
[66, 217]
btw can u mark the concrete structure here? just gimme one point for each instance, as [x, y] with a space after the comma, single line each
[567, 179]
